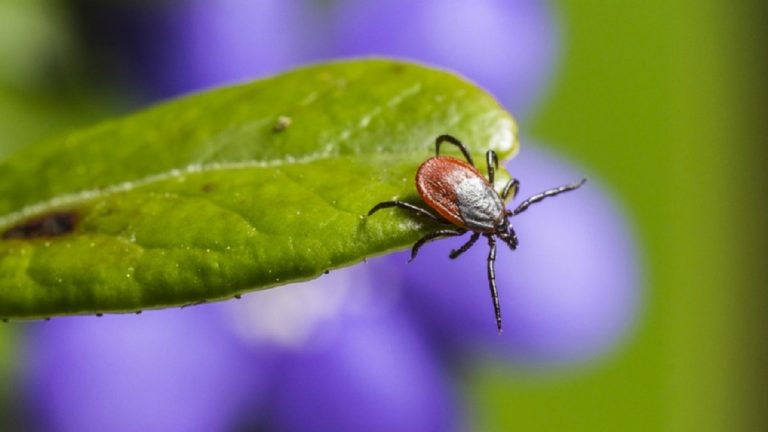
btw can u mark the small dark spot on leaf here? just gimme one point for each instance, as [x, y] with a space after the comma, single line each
[208, 187]
[138, 312]
[99, 315]
[398, 68]
[281, 124]
[238, 296]
[326, 272]
[47, 225]
[47, 318]
[5, 320]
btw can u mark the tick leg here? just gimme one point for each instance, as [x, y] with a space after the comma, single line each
[548, 193]
[406, 206]
[432, 236]
[511, 187]
[493, 163]
[492, 281]
[449, 138]
[456, 252]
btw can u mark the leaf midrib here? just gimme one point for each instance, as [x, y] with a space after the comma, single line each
[73, 199]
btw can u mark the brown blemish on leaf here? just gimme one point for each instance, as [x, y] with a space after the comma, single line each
[48, 225]
[208, 187]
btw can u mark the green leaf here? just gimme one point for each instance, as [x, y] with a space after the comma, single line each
[238, 188]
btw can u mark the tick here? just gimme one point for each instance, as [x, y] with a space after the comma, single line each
[467, 201]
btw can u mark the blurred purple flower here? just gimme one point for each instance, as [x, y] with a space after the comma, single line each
[170, 47]
[331, 354]
[169, 371]
[223, 41]
[366, 348]
[379, 375]
[506, 46]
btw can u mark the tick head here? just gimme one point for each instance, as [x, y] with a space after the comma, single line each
[506, 233]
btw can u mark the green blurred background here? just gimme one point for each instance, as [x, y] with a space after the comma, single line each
[665, 100]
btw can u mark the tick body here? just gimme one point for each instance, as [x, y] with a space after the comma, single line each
[466, 201]
[460, 194]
